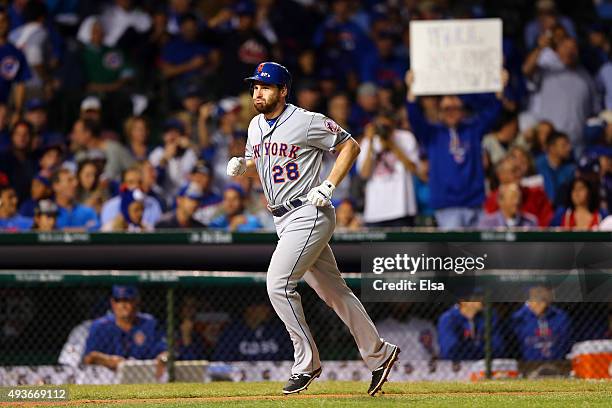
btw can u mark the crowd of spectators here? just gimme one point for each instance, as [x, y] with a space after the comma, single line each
[120, 115]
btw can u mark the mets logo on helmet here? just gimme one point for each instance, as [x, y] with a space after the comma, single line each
[260, 67]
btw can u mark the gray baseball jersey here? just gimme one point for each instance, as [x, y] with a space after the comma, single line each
[288, 155]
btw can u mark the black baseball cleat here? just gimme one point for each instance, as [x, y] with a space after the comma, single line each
[379, 376]
[300, 382]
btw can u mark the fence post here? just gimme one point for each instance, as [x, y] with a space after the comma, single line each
[488, 336]
[170, 331]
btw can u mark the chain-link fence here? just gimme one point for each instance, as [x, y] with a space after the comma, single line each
[76, 327]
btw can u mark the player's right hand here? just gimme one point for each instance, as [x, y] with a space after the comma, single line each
[236, 166]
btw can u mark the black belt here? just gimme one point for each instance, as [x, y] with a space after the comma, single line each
[282, 210]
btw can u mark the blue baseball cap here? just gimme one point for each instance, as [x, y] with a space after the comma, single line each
[245, 8]
[44, 180]
[124, 292]
[270, 73]
[127, 198]
[236, 187]
[191, 190]
[174, 124]
[193, 90]
[35, 104]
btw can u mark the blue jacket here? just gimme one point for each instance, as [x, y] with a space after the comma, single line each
[456, 175]
[143, 342]
[460, 339]
[546, 338]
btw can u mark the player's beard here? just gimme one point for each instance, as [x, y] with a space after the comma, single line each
[267, 106]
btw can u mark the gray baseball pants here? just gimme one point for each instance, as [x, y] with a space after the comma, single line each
[303, 251]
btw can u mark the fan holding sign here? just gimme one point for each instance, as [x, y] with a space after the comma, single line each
[453, 144]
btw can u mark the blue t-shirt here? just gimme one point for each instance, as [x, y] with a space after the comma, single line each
[5, 140]
[421, 191]
[268, 342]
[178, 51]
[77, 216]
[272, 121]
[547, 337]
[384, 71]
[554, 178]
[27, 208]
[223, 222]
[143, 342]
[350, 37]
[16, 223]
[13, 68]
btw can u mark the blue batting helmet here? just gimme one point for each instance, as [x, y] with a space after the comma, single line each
[270, 73]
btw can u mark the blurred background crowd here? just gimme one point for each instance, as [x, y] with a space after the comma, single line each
[121, 115]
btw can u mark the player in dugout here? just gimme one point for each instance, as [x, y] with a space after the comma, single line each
[125, 333]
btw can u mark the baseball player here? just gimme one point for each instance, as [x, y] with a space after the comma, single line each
[285, 146]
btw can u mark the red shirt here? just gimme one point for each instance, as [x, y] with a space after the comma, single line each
[569, 220]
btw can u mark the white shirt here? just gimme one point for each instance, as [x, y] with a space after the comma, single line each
[115, 22]
[389, 192]
[220, 159]
[73, 349]
[416, 338]
[606, 224]
[32, 40]
[177, 170]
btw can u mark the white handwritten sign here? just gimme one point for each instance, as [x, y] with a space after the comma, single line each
[456, 56]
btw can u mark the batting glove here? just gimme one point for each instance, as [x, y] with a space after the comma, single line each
[236, 166]
[321, 196]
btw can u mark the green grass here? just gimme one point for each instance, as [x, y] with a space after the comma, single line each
[516, 393]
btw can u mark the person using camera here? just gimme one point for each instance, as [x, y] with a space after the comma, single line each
[386, 163]
[174, 160]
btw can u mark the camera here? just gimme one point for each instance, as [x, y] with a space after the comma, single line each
[180, 151]
[384, 131]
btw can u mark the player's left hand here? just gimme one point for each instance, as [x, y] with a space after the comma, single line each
[321, 196]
